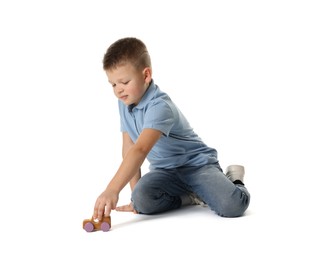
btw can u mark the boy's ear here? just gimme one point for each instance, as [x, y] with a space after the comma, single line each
[147, 72]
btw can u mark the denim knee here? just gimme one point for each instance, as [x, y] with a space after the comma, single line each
[148, 200]
[235, 207]
[141, 202]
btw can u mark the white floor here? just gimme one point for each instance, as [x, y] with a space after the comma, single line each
[253, 79]
[283, 222]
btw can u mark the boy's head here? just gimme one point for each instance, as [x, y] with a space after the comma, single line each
[128, 68]
[127, 50]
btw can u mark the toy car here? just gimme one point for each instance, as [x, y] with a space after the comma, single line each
[93, 225]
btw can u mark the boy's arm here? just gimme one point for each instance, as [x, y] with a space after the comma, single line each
[127, 144]
[128, 169]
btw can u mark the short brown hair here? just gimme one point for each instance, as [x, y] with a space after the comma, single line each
[125, 50]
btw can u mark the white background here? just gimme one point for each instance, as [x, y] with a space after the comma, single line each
[252, 77]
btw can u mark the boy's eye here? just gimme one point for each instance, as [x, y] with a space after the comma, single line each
[124, 83]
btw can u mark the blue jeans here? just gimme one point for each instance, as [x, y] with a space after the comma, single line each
[162, 190]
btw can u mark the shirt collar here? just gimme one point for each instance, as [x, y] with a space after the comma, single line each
[148, 95]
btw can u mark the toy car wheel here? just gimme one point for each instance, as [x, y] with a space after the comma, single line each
[89, 227]
[105, 226]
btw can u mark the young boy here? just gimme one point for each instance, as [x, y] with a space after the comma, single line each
[183, 169]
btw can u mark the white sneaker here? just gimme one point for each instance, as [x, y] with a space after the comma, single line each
[235, 172]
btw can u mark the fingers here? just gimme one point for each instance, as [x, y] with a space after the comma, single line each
[126, 208]
[104, 204]
[123, 208]
[101, 209]
[107, 210]
[96, 211]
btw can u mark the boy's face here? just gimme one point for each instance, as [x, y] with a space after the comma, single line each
[129, 84]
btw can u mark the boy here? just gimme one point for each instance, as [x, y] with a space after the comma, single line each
[183, 169]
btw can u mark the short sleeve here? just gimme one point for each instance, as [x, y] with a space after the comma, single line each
[160, 115]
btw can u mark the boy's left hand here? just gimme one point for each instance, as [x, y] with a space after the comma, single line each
[127, 208]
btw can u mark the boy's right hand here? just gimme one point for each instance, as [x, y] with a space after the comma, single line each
[106, 202]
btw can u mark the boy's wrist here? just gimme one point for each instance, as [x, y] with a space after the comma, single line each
[112, 189]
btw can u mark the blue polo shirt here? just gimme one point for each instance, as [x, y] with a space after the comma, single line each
[179, 145]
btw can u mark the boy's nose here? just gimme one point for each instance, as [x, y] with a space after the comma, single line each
[119, 90]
